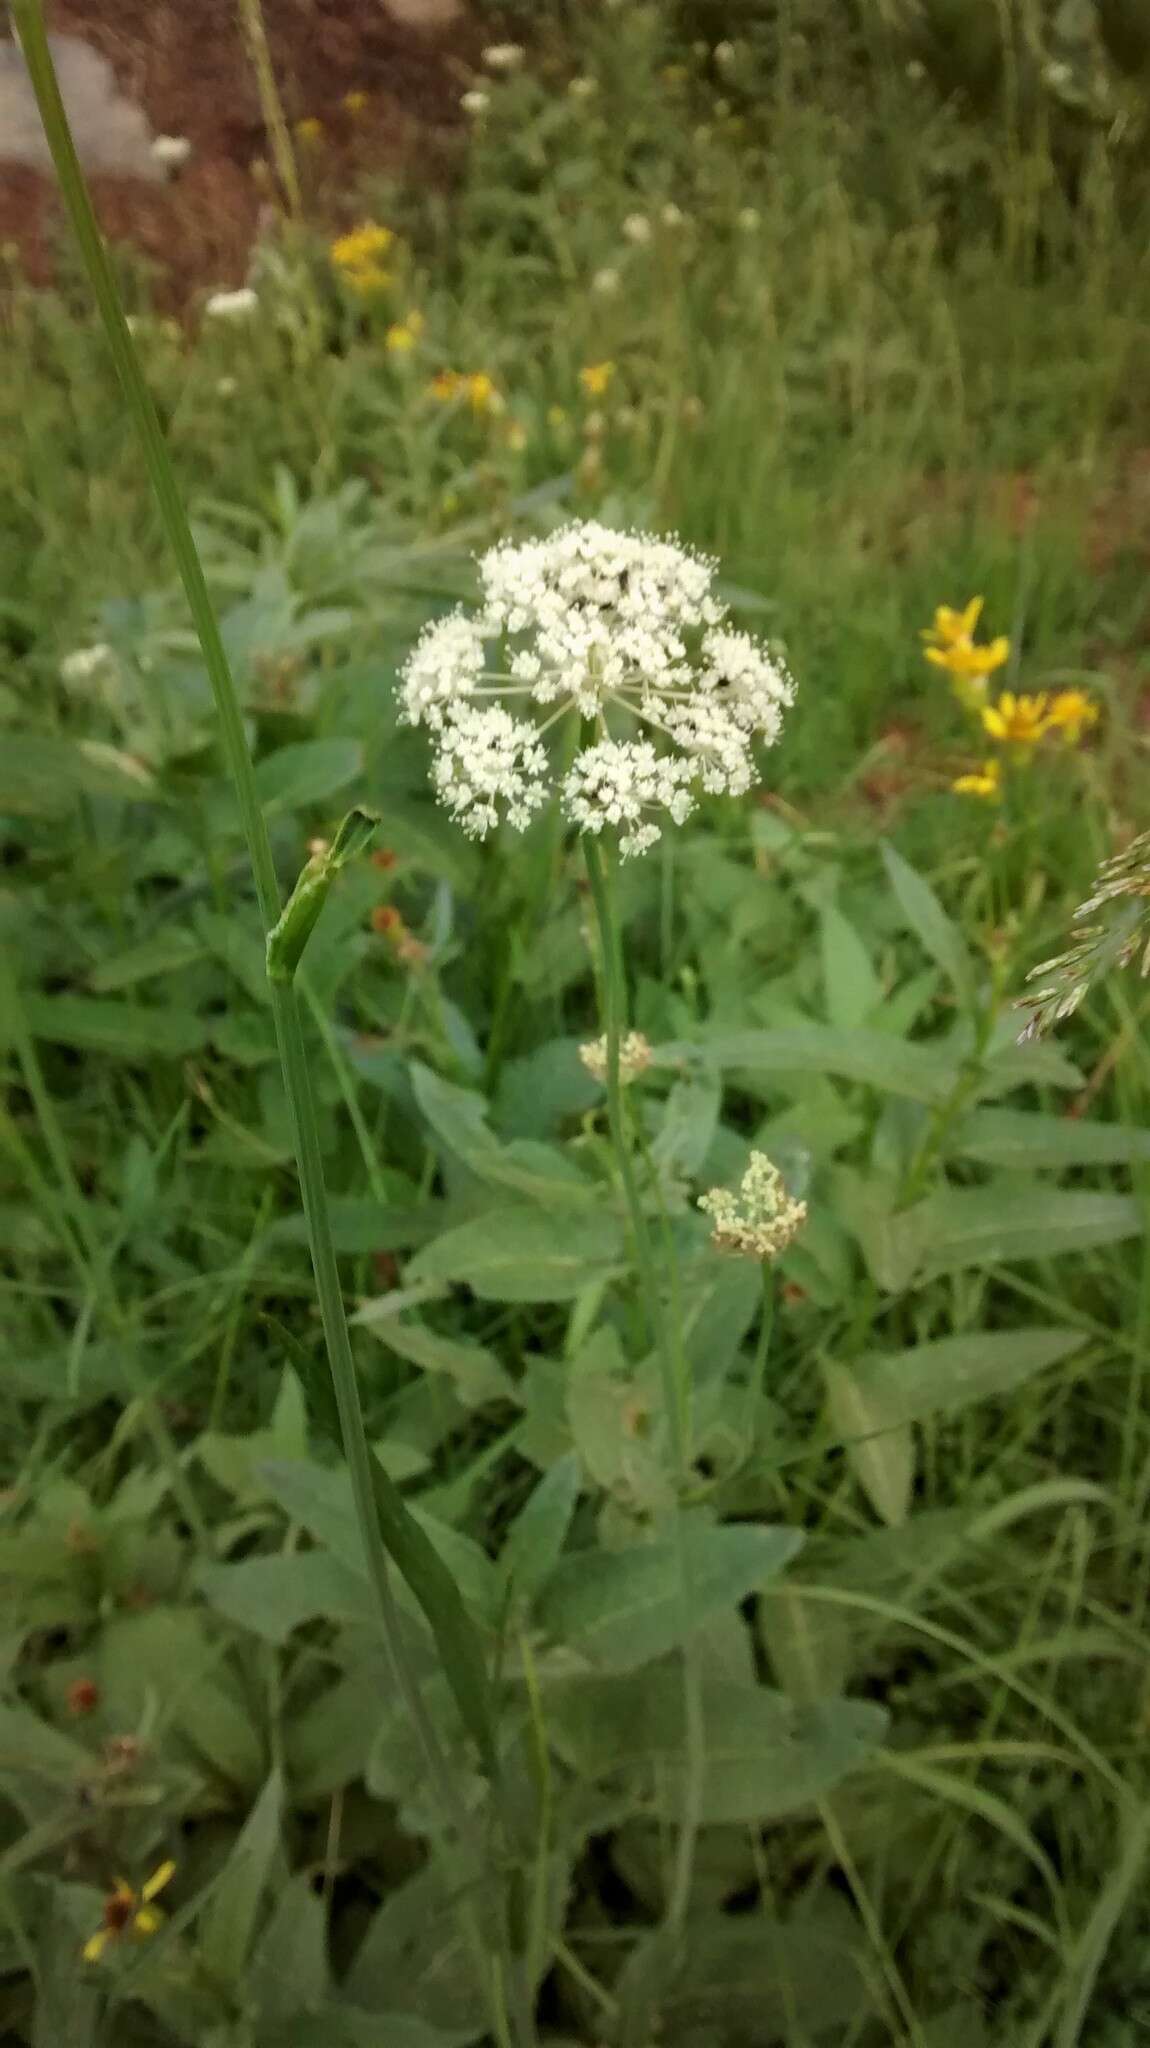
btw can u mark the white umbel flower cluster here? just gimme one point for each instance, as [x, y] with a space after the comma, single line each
[761, 1219]
[620, 631]
[634, 1057]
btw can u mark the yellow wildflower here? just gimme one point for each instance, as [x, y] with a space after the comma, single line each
[445, 385]
[1071, 714]
[1017, 721]
[595, 377]
[355, 102]
[128, 1912]
[358, 257]
[950, 645]
[402, 337]
[309, 131]
[482, 393]
[951, 627]
[986, 782]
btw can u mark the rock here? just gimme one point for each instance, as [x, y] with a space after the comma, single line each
[110, 131]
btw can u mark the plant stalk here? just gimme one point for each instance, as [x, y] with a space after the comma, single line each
[672, 1377]
[293, 1053]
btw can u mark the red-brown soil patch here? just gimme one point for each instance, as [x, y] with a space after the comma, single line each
[185, 63]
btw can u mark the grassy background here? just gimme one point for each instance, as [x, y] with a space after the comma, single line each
[888, 356]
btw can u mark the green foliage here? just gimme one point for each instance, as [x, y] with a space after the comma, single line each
[908, 1560]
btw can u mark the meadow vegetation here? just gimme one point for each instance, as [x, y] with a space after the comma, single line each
[808, 1591]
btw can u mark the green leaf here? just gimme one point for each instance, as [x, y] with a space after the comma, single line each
[766, 1755]
[902, 1387]
[40, 776]
[880, 1452]
[414, 1957]
[272, 1596]
[518, 1254]
[939, 935]
[1013, 1137]
[475, 1372]
[440, 1566]
[458, 1116]
[622, 1608]
[871, 1057]
[996, 1225]
[690, 1119]
[228, 1921]
[307, 773]
[360, 1225]
[125, 1030]
[163, 955]
[288, 1973]
[852, 987]
[535, 1540]
[612, 1424]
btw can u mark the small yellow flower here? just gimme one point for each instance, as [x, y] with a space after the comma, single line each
[595, 377]
[355, 103]
[445, 385]
[1071, 714]
[358, 257]
[128, 1912]
[987, 782]
[950, 628]
[556, 416]
[515, 435]
[309, 131]
[481, 392]
[1017, 721]
[402, 337]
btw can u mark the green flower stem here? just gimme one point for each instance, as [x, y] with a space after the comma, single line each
[289, 1031]
[671, 1366]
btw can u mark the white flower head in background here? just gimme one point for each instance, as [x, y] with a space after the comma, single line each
[619, 632]
[759, 1221]
[171, 152]
[237, 305]
[634, 1057]
[636, 228]
[504, 56]
[475, 102]
[606, 282]
[87, 665]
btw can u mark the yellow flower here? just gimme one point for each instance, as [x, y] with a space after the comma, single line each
[358, 257]
[950, 645]
[445, 385]
[595, 377]
[482, 393]
[309, 131]
[987, 782]
[402, 337]
[128, 1912]
[1071, 714]
[951, 627]
[515, 435]
[1017, 721]
[556, 417]
[355, 102]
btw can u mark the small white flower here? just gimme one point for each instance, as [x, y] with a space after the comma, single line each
[171, 151]
[504, 56]
[226, 387]
[749, 218]
[475, 102]
[486, 759]
[761, 1219]
[84, 664]
[634, 1057]
[237, 305]
[725, 54]
[673, 216]
[582, 88]
[637, 229]
[605, 282]
[620, 631]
